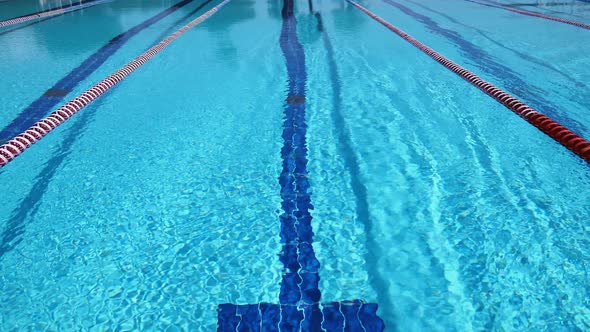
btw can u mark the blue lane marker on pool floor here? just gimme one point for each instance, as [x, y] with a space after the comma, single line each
[299, 307]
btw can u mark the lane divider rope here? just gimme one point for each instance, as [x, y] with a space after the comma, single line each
[534, 14]
[54, 12]
[553, 129]
[17, 145]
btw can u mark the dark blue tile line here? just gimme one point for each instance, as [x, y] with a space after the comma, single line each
[299, 306]
[44, 104]
[300, 282]
[15, 227]
[352, 163]
[512, 82]
[349, 316]
[522, 55]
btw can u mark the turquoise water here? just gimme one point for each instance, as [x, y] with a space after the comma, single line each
[160, 200]
[574, 10]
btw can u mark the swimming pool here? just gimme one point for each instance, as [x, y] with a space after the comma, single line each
[295, 163]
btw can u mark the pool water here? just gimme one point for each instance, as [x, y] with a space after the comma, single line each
[161, 200]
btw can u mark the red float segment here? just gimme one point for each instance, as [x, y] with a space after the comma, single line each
[558, 132]
[17, 145]
[534, 14]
